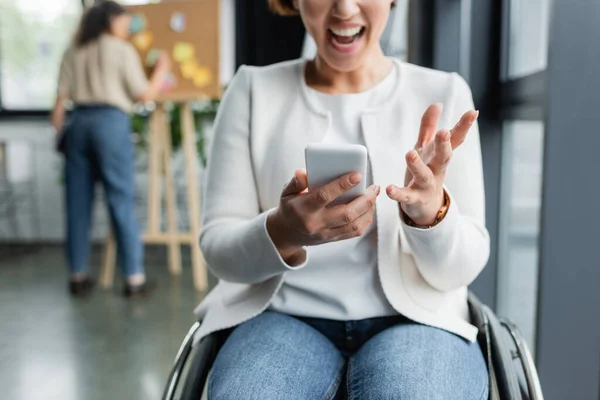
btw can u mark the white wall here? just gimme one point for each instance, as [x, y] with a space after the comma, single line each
[37, 169]
[35, 178]
[227, 42]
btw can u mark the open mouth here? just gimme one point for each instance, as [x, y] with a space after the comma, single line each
[346, 37]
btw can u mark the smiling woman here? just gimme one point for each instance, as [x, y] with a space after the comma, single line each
[331, 298]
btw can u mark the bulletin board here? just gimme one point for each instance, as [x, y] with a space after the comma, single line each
[189, 32]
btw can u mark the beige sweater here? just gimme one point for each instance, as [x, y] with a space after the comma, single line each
[107, 71]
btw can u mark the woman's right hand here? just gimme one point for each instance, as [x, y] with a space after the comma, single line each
[305, 218]
[163, 63]
[158, 79]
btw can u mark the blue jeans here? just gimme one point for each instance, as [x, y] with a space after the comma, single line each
[98, 146]
[277, 356]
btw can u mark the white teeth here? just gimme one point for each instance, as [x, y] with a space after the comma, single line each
[346, 32]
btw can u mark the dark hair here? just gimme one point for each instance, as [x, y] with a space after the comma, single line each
[286, 7]
[96, 20]
[282, 7]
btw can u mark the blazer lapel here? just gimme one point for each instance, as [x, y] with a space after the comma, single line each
[387, 149]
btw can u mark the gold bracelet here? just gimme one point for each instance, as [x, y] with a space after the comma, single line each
[439, 217]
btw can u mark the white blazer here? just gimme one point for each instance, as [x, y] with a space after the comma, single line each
[264, 123]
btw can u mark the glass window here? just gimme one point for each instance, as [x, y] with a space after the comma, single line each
[394, 39]
[527, 37]
[33, 37]
[521, 193]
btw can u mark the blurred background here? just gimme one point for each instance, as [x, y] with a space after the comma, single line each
[533, 67]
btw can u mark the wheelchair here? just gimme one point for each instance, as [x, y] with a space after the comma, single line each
[513, 375]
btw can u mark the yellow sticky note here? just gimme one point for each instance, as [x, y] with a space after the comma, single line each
[142, 40]
[188, 69]
[202, 77]
[183, 52]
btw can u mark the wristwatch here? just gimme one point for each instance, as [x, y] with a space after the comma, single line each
[439, 217]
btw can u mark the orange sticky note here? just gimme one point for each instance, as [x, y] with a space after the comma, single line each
[188, 69]
[142, 40]
[202, 77]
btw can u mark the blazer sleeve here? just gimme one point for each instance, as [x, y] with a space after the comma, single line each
[234, 238]
[453, 253]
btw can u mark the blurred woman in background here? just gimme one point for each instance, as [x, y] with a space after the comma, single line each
[101, 73]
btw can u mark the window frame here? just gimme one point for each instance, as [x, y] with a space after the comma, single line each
[520, 98]
[443, 34]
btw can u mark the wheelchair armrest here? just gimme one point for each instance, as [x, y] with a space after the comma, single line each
[205, 353]
[511, 366]
[531, 376]
[202, 362]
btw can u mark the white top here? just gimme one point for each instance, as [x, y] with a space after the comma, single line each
[340, 281]
[265, 121]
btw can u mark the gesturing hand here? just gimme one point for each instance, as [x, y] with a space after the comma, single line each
[163, 63]
[423, 195]
[305, 218]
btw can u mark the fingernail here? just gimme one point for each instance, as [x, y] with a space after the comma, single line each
[391, 190]
[413, 155]
[373, 189]
[476, 115]
[446, 136]
[355, 178]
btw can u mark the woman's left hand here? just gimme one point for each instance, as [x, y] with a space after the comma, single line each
[423, 195]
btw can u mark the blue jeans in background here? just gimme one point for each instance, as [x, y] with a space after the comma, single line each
[98, 146]
[279, 357]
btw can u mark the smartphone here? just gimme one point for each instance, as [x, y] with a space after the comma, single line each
[325, 162]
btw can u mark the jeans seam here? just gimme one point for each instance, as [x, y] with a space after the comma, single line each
[209, 395]
[349, 378]
[335, 385]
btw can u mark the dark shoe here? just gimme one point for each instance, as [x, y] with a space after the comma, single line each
[81, 288]
[143, 290]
